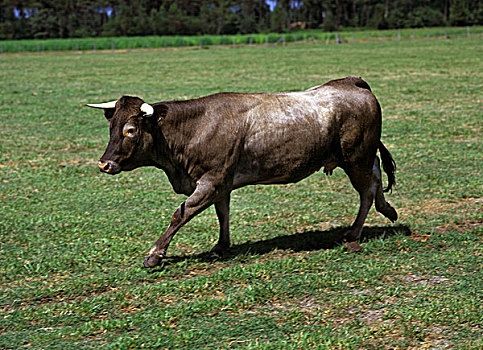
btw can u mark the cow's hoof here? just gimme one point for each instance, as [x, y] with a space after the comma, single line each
[152, 261]
[389, 212]
[218, 250]
[353, 247]
[351, 235]
[392, 214]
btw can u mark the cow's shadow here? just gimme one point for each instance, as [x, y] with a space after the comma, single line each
[299, 242]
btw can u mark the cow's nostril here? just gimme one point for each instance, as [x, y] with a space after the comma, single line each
[103, 166]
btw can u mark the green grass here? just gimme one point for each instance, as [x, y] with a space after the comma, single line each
[149, 42]
[72, 240]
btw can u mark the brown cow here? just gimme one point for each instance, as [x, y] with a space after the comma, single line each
[212, 145]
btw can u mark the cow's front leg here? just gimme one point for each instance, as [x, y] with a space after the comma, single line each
[202, 198]
[223, 212]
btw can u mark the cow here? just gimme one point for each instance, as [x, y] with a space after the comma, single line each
[212, 145]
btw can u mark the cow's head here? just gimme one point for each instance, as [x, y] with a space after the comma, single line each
[131, 134]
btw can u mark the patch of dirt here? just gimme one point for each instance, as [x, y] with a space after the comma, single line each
[462, 227]
[428, 280]
[456, 209]
[434, 340]
[437, 205]
[419, 237]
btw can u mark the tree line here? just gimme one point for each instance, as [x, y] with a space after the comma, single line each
[39, 19]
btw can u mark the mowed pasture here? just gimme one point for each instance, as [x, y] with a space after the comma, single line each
[72, 240]
[149, 42]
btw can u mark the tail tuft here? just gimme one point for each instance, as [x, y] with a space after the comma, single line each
[389, 166]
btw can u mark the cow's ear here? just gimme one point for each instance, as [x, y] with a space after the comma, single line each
[109, 113]
[108, 107]
[160, 111]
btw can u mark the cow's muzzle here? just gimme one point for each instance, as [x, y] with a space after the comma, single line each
[109, 167]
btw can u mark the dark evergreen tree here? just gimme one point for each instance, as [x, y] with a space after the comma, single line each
[21, 19]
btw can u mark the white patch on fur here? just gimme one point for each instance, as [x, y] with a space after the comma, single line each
[313, 104]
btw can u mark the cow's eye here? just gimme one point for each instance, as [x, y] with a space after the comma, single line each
[129, 130]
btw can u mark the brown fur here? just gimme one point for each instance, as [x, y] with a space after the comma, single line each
[214, 144]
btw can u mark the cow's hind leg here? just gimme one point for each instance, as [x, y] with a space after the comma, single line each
[222, 208]
[382, 206]
[368, 182]
[364, 181]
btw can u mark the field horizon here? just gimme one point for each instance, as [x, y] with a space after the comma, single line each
[147, 43]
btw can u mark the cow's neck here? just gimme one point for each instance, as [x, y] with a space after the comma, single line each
[177, 129]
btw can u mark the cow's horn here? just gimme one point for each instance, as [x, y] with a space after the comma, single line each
[106, 105]
[147, 109]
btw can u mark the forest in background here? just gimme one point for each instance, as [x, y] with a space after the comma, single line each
[43, 19]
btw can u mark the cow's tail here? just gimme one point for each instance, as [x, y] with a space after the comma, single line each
[389, 166]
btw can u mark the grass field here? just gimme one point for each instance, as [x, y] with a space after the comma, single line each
[72, 240]
[149, 42]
